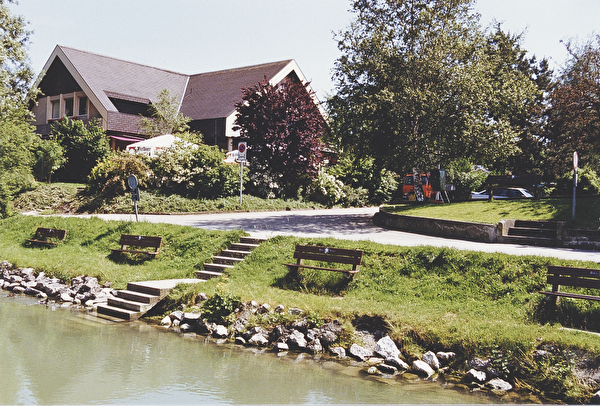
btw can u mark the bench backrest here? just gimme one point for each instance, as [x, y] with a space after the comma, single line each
[576, 277]
[140, 240]
[42, 232]
[327, 254]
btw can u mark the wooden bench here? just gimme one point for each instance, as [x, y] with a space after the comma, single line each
[47, 236]
[575, 277]
[326, 254]
[139, 241]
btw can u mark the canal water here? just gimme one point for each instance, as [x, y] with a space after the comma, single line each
[54, 355]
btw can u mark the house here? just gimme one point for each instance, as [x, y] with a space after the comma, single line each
[86, 85]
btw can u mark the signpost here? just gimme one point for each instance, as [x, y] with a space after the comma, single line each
[575, 165]
[132, 182]
[242, 159]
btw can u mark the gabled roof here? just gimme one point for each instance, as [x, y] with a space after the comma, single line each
[201, 96]
[214, 94]
[103, 77]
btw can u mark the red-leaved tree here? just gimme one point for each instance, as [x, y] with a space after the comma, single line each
[574, 113]
[284, 129]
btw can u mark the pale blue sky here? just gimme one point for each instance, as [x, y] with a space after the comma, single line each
[194, 36]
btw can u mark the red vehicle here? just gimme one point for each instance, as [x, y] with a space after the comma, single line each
[423, 192]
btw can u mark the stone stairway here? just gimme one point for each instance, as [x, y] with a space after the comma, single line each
[139, 297]
[542, 233]
[228, 258]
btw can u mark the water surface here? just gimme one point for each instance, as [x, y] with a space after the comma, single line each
[53, 355]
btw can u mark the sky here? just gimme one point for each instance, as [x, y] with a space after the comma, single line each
[195, 36]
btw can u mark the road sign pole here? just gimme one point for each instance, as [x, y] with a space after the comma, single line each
[575, 165]
[241, 179]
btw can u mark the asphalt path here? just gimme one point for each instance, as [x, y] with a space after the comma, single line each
[349, 224]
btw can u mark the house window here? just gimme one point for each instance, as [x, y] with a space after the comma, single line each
[83, 106]
[55, 109]
[69, 107]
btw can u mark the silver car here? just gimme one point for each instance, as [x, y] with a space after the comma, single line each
[503, 193]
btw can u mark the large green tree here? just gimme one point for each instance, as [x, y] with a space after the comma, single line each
[17, 139]
[418, 85]
[574, 109]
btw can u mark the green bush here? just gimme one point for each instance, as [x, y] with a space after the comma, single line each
[464, 179]
[588, 182]
[109, 177]
[218, 307]
[326, 189]
[84, 147]
[194, 170]
[361, 175]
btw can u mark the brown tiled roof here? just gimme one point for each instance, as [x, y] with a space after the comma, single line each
[214, 94]
[105, 75]
[205, 95]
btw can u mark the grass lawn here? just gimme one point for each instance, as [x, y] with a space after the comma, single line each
[426, 298]
[482, 211]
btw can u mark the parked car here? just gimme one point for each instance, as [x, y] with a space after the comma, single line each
[503, 193]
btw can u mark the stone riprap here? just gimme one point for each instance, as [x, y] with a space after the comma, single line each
[378, 357]
[83, 290]
[381, 357]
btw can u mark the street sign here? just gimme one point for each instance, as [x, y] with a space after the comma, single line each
[242, 151]
[575, 160]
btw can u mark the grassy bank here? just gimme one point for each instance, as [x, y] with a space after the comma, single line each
[425, 298]
[72, 198]
[482, 211]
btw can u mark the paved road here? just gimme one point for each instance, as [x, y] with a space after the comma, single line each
[350, 224]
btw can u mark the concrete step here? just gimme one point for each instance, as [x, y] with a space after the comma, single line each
[240, 246]
[129, 304]
[139, 297]
[547, 225]
[523, 240]
[234, 253]
[217, 267]
[252, 240]
[144, 287]
[117, 312]
[220, 259]
[206, 275]
[532, 232]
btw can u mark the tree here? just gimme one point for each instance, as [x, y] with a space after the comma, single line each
[50, 157]
[166, 118]
[15, 73]
[284, 129]
[17, 139]
[84, 147]
[574, 109]
[417, 86]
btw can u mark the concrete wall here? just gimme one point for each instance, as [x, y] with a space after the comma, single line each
[569, 238]
[443, 228]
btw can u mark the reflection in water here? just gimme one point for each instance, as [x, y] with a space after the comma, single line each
[55, 356]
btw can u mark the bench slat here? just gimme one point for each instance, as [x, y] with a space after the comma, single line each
[572, 295]
[574, 277]
[327, 254]
[42, 234]
[139, 241]
[321, 268]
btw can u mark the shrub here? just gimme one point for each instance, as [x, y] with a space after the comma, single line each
[109, 177]
[84, 147]
[218, 307]
[326, 189]
[464, 178]
[194, 170]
